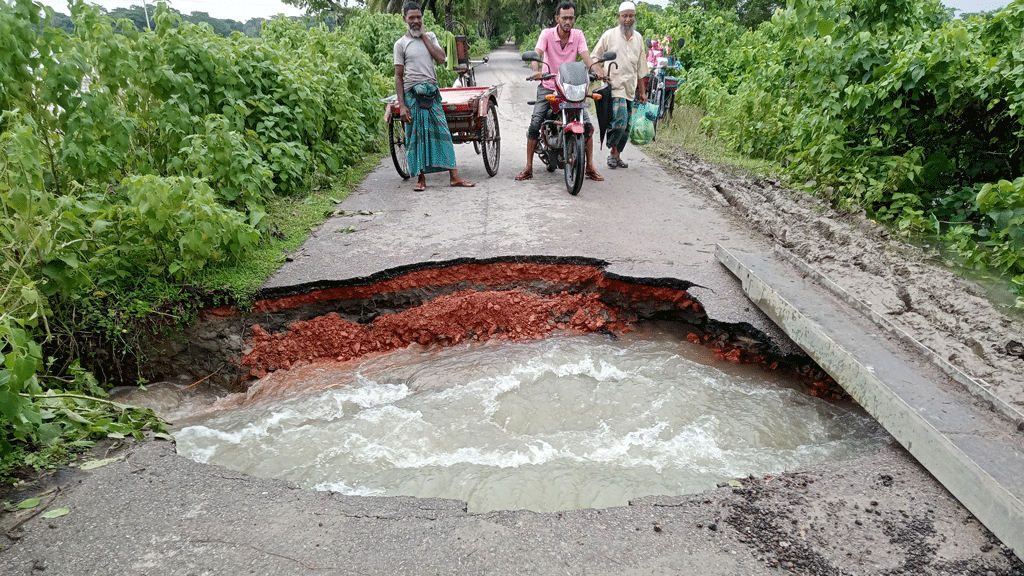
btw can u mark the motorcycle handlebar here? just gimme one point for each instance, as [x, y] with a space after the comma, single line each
[593, 75]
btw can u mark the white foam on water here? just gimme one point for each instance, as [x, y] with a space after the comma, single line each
[555, 424]
[343, 488]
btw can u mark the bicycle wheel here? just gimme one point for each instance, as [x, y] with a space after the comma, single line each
[657, 95]
[396, 135]
[575, 163]
[490, 138]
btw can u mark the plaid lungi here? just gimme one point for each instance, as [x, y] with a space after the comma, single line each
[618, 132]
[428, 140]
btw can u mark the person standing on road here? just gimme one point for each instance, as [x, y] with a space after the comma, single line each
[428, 140]
[557, 45]
[628, 77]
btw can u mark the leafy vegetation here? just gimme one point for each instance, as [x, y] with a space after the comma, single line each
[134, 168]
[142, 17]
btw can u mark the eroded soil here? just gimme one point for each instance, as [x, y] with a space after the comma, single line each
[902, 282]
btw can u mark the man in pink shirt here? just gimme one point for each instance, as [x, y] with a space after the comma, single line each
[558, 45]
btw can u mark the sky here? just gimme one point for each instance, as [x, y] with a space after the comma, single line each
[243, 10]
[240, 10]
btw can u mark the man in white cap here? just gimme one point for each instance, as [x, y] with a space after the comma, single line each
[628, 77]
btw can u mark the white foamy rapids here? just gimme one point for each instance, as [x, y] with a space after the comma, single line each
[200, 442]
[555, 424]
[600, 370]
[343, 488]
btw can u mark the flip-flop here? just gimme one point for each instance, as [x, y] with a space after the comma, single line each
[595, 176]
[524, 175]
[419, 187]
[462, 184]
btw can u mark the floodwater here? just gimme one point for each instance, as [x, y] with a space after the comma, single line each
[563, 423]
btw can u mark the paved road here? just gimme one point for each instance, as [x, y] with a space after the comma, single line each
[642, 220]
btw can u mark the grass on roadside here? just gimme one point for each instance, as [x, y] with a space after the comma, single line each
[683, 130]
[292, 220]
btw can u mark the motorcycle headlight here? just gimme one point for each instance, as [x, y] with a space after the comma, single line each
[575, 93]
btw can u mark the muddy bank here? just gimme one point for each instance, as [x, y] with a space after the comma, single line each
[904, 283]
[511, 298]
[514, 315]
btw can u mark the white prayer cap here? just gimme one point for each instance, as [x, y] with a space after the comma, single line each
[627, 6]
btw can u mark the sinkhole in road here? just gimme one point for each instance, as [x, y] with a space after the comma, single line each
[566, 422]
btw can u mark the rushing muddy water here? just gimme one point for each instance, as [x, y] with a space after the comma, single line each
[562, 423]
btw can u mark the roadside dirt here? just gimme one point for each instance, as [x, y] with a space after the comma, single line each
[950, 315]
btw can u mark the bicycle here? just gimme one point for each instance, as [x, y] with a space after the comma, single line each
[661, 88]
[464, 66]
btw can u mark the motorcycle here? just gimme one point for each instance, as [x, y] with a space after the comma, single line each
[562, 143]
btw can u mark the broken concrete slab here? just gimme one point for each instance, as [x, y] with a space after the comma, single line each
[975, 451]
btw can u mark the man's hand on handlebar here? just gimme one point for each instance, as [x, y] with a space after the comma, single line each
[403, 112]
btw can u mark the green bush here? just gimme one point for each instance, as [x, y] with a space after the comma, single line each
[130, 159]
[896, 108]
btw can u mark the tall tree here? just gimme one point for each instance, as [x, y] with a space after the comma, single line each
[754, 12]
[750, 12]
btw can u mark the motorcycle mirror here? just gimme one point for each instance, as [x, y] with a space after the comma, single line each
[531, 56]
[649, 43]
[680, 42]
[609, 55]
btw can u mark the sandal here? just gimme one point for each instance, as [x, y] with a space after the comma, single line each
[618, 163]
[461, 184]
[419, 187]
[593, 175]
[524, 175]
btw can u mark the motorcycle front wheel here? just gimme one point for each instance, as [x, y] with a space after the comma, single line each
[575, 162]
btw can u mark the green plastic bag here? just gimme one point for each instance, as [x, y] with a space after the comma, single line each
[641, 129]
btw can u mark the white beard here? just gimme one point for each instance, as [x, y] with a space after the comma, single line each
[627, 31]
[415, 33]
